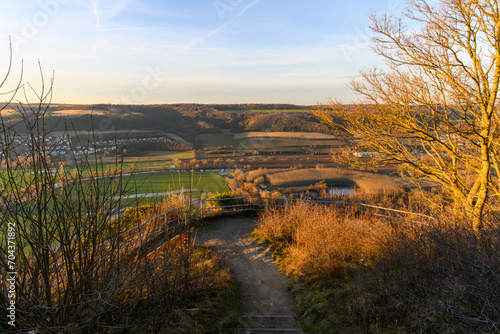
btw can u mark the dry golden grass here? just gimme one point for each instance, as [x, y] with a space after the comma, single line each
[370, 276]
[319, 242]
[77, 112]
[261, 172]
[366, 182]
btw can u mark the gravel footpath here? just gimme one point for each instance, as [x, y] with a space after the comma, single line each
[264, 290]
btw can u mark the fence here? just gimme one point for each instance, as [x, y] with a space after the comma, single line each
[203, 208]
[155, 255]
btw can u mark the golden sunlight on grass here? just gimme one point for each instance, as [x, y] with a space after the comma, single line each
[356, 273]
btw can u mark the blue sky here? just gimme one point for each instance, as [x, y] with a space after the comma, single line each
[169, 51]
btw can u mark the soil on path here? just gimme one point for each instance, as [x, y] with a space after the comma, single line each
[264, 289]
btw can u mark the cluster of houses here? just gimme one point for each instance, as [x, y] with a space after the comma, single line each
[61, 146]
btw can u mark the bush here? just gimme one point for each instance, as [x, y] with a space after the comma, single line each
[365, 275]
[319, 243]
[224, 199]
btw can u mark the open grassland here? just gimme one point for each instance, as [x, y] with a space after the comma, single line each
[208, 140]
[256, 149]
[163, 155]
[179, 139]
[292, 135]
[78, 112]
[8, 111]
[152, 158]
[359, 274]
[253, 142]
[164, 182]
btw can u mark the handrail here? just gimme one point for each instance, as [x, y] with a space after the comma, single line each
[330, 202]
[201, 210]
[198, 210]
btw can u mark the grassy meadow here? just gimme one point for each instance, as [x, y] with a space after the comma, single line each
[179, 139]
[210, 140]
[164, 182]
[152, 158]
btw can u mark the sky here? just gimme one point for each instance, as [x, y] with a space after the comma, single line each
[197, 51]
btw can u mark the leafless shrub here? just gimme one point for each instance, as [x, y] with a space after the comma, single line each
[76, 262]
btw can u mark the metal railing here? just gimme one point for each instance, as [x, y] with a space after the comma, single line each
[184, 217]
[268, 203]
[159, 231]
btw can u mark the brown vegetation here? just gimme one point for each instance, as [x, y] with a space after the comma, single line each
[318, 243]
[372, 276]
[367, 183]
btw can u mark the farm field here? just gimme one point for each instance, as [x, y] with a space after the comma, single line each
[152, 158]
[209, 140]
[273, 150]
[270, 110]
[77, 112]
[300, 179]
[179, 139]
[164, 155]
[170, 181]
[284, 134]
[279, 142]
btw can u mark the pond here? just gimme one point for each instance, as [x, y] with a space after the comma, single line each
[340, 191]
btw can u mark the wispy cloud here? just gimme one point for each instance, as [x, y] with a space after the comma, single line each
[107, 9]
[136, 50]
[250, 5]
[215, 31]
[96, 14]
[292, 51]
[98, 43]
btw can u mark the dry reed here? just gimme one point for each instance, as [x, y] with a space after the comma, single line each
[376, 277]
[366, 182]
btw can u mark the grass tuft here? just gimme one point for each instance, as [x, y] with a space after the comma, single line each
[356, 274]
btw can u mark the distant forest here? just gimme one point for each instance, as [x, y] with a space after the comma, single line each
[186, 119]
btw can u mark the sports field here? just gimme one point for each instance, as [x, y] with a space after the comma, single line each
[170, 181]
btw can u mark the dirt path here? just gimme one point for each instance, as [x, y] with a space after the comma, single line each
[266, 301]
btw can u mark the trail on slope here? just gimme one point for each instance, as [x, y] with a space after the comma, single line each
[264, 289]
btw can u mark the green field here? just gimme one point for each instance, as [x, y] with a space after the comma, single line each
[151, 160]
[163, 182]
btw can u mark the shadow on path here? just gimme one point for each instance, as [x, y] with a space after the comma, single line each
[266, 301]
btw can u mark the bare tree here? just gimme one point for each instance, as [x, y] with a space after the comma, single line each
[74, 260]
[434, 110]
